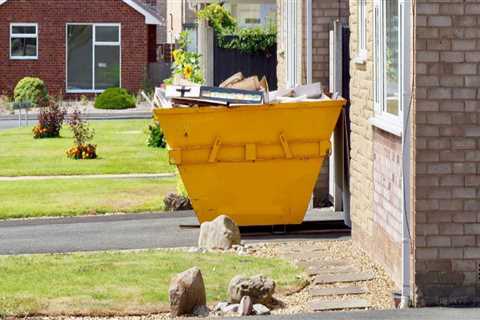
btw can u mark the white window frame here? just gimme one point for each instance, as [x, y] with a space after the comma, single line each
[362, 52]
[24, 36]
[94, 44]
[383, 119]
[290, 34]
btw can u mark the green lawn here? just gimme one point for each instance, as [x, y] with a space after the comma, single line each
[21, 199]
[119, 283]
[121, 149]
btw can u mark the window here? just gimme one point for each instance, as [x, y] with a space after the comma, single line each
[362, 32]
[23, 41]
[93, 57]
[388, 48]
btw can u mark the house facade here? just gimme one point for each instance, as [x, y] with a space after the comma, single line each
[414, 159]
[77, 47]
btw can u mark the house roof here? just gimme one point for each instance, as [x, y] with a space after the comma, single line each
[150, 14]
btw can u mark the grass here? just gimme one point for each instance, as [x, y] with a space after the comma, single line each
[119, 283]
[21, 199]
[121, 150]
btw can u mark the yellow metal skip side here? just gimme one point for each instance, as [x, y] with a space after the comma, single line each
[256, 164]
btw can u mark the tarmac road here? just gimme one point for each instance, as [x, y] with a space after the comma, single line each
[404, 314]
[118, 232]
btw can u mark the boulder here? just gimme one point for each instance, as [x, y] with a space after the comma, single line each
[177, 202]
[246, 306]
[187, 293]
[221, 233]
[259, 288]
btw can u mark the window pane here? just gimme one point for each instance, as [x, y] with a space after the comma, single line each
[24, 29]
[107, 67]
[80, 57]
[106, 34]
[392, 56]
[24, 47]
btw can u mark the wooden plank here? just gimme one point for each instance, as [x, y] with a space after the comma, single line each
[321, 305]
[343, 277]
[321, 292]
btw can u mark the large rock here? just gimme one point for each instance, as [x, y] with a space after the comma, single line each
[221, 233]
[259, 288]
[187, 293]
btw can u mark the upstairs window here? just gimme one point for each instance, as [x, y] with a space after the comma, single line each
[23, 41]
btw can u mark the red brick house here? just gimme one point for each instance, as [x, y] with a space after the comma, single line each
[77, 47]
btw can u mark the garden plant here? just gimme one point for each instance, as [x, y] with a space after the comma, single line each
[186, 64]
[115, 98]
[155, 136]
[31, 90]
[50, 121]
[82, 134]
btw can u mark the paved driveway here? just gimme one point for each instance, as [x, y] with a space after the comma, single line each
[10, 124]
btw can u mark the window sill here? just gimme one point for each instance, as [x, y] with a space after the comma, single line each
[361, 58]
[385, 124]
[23, 58]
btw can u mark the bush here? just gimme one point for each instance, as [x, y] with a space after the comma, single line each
[82, 134]
[50, 121]
[31, 90]
[115, 98]
[155, 138]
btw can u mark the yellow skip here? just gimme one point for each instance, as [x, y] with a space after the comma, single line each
[256, 164]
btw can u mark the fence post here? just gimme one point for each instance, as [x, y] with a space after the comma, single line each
[205, 48]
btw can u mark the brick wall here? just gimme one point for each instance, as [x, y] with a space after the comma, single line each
[447, 157]
[52, 16]
[375, 169]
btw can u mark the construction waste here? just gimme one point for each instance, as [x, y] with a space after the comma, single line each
[235, 91]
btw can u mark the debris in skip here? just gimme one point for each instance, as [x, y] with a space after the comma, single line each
[235, 91]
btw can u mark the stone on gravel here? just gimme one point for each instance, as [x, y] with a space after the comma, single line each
[187, 292]
[220, 306]
[259, 288]
[201, 311]
[246, 306]
[260, 310]
[231, 308]
[221, 233]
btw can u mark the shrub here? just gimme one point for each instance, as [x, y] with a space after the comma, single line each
[115, 98]
[50, 121]
[32, 90]
[155, 137]
[82, 134]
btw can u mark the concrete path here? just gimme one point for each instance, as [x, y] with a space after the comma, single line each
[119, 232]
[406, 314]
[95, 176]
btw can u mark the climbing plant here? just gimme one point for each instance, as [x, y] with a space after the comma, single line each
[231, 36]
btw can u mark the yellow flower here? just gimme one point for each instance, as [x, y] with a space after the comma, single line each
[187, 71]
[177, 55]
